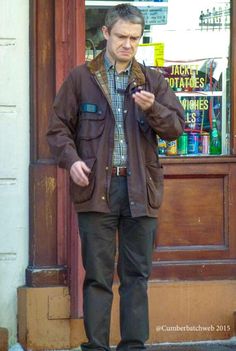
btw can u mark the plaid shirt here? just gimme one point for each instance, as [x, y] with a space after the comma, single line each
[120, 145]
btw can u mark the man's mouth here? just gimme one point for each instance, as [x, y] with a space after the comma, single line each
[125, 53]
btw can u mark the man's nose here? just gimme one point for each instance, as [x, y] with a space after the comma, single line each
[127, 43]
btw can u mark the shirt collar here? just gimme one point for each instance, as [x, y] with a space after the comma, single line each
[109, 66]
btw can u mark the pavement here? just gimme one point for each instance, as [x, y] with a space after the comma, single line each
[226, 345]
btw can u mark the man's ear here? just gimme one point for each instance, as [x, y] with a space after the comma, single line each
[105, 32]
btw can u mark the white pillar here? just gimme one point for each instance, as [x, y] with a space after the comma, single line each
[14, 155]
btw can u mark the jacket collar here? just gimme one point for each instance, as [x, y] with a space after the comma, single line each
[137, 75]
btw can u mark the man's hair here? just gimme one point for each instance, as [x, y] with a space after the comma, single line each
[125, 12]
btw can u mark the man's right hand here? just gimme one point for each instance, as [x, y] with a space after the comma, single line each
[78, 172]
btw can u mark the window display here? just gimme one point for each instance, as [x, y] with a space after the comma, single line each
[189, 42]
[200, 89]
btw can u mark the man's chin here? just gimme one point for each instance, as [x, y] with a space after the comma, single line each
[125, 58]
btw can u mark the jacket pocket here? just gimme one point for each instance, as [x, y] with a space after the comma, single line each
[91, 125]
[81, 194]
[154, 178]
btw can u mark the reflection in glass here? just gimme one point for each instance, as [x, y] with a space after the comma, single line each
[189, 42]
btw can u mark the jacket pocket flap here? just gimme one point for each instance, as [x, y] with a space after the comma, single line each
[92, 116]
[90, 162]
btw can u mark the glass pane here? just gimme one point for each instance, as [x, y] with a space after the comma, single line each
[189, 42]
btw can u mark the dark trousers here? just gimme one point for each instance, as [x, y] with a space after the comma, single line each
[135, 246]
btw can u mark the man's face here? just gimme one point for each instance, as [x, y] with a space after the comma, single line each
[123, 40]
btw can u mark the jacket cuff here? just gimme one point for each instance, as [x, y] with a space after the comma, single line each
[69, 162]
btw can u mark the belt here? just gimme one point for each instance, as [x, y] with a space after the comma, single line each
[119, 171]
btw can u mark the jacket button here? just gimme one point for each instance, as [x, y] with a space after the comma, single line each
[106, 168]
[132, 203]
[103, 198]
[142, 121]
[125, 111]
[129, 173]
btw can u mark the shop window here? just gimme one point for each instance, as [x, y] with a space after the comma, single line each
[189, 42]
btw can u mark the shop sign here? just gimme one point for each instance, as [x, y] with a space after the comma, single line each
[155, 15]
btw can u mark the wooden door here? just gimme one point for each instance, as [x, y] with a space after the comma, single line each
[196, 237]
[57, 42]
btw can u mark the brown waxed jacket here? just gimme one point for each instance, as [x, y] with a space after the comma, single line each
[82, 128]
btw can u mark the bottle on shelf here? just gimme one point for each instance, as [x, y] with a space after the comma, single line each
[161, 146]
[215, 140]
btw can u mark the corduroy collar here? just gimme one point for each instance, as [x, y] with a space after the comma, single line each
[97, 65]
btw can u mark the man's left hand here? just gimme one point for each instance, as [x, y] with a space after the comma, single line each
[144, 99]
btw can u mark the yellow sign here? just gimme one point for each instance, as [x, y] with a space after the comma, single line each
[157, 53]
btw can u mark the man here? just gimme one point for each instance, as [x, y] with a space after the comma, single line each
[106, 117]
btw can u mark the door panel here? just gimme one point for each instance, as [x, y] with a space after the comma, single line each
[196, 220]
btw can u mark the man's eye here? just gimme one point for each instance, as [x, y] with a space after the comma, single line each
[131, 38]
